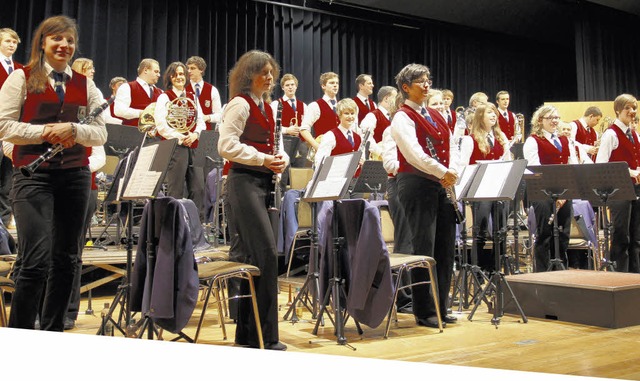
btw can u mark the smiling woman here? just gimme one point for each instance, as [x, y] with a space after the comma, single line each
[39, 107]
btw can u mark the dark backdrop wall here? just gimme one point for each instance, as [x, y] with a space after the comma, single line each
[306, 41]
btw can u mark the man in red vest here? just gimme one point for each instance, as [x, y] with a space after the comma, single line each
[134, 96]
[291, 114]
[114, 85]
[506, 118]
[365, 89]
[320, 116]
[583, 130]
[379, 119]
[207, 94]
[9, 41]
[447, 97]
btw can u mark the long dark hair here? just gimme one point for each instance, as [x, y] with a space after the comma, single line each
[248, 65]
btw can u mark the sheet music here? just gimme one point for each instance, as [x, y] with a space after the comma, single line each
[329, 187]
[497, 172]
[465, 177]
[339, 167]
[143, 181]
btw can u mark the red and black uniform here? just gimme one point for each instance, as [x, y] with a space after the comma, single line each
[139, 100]
[382, 122]
[205, 101]
[364, 109]
[507, 126]
[343, 145]
[328, 119]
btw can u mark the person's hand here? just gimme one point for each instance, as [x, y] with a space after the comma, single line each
[635, 174]
[190, 139]
[62, 133]
[293, 130]
[593, 150]
[275, 163]
[449, 179]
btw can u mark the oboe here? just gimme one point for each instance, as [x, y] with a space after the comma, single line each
[274, 205]
[29, 169]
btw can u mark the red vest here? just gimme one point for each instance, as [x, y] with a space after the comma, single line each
[583, 136]
[171, 95]
[111, 110]
[4, 75]
[439, 135]
[328, 119]
[343, 145]
[382, 122]
[626, 151]
[139, 100]
[45, 108]
[507, 127]
[494, 154]
[549, 154]
[364, 109]
[206, 103]
[454, 119]
[288, 114]
[258, 133]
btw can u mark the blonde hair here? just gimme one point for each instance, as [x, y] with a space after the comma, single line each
[325, 77]
[346, 104]
[480, 133]
[621, 101]
[11, 33]
[536, 119]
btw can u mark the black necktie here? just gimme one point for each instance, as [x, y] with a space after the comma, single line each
[261, 107]
[293, 104]
[59, 81]
[333, 105]
[368, 104]
[490, 141]
[449, 117]
[197, 90]
[506, 116]
[630, 136]
[150, 92]
[10, 68]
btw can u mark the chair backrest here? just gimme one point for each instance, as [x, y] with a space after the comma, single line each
[299, 177]
[304, 215]
[387, 224]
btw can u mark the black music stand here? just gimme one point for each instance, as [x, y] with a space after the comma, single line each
[372, 179]
[121, 139]
[601, 183]
[496, 181]
[331, 183]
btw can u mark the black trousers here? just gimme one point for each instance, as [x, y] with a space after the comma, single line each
[49, 209]
[544, 248]
[180, 172]
[433, 224]
[625, 239]
[6, 172]
[248, 196]
[401, 228]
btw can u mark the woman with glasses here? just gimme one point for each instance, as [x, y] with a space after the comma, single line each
[544, 147]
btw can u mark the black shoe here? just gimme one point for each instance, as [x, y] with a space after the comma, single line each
[36, 325]
[431, 322]
[279, 346]
[69, 323]
[450, 319]
[406, 310]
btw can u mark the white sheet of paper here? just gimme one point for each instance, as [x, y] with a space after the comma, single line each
[143, 182]
[339, 167]
[493, 179]
[329, 187]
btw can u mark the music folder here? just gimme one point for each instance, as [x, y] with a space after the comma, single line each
[145, 178]
[331, 179]
[493, 181]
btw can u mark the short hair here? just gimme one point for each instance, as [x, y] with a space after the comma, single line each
[384, 92]
[408, 74]
[446, 93]
[115, 80]
[501, 92]
[346, 104]
[171, 72]
[325, 77]
[475, 97]
[432, 93]
[592, 110]
[288, 77]
[361, 79]
[11, 33]
[621, 101]
[81, 65]
[198, 61]
[146, 64]
[536, 118]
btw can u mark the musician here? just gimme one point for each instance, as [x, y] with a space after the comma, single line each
[486, 142]
[365, 89]
[583, 130]
[620, 143]
[9, 41]
[132, 97]
[208, 95]
[544, 147]
[580, 153]
[447, 98]
[506, 118]
[434, 101]
[181, 166]
[380, 118]
[291, 116]
[421, 182]
[342, 139]
[114, 84]
[321, 115]
[246, 139]
[50, 206]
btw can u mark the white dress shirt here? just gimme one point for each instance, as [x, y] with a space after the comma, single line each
[389, 152]
[274, 106]
[160, 117]
[312, 113]
[216, 104]
[530, 149]
[123, 100]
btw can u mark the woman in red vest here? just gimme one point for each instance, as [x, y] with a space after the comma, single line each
[486, 142]
[40, 106]
[247, 136]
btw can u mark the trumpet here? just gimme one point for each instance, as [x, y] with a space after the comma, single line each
[294, 121]
[29, 169]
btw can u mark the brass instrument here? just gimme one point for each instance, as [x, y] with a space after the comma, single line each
[311, 153]
[294, 121]
[520, 127]
[147, 120]
[181, 116]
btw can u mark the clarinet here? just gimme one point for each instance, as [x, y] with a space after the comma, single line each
[29, 169]
[274, 204]
[451, 192]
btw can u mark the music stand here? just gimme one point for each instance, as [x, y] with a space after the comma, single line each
[372, 179]
[331, 183]
[121, 139]
[496, 181]
[601, 183]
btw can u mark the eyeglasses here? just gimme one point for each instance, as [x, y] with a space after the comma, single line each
[551, 117]
[423, 83]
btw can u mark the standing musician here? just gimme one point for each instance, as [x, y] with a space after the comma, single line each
[291, 116]
[321, 114]
[134, 96]
[544, 147]
[207, 95]
[380, 118]
[181, 168]
[506, 118]
[365, 89]
[620, 143]
[583, 130]
[114, 85]
[486, 142]
[246, 140]
[447, 97]
[39, 107]
[421, 182]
